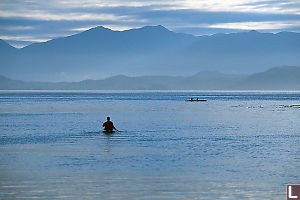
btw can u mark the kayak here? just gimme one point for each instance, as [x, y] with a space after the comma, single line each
[196, 100]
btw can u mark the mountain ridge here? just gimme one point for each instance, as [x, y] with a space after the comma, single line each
[101, 52]
[217, 81]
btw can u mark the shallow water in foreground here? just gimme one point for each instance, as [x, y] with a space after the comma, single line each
[237, 145]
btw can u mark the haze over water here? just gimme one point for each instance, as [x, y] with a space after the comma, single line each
[237, 145]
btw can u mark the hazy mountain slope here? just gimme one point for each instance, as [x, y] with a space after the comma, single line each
[151, 50]
[95, 53]
[278, 78]
[7, 53]
[5, 47]
[9, 84]
[274, 78]
[105, 41]
[246, 52]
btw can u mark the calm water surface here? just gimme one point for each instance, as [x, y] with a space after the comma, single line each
[237, 145]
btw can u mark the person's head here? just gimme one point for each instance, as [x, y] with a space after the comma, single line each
[108, 118]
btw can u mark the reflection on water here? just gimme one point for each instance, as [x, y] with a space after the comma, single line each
[237, 145]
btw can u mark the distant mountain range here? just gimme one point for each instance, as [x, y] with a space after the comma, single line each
[277, 78]
[151, 50]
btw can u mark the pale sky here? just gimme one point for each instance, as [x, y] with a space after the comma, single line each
[26, 21]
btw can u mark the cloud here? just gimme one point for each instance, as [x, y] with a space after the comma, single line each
[272, 25]
[256, 6]
[23, 38]
[62, 9]
[253, 6]
[16, 28]
[38, 19]
[111, 3]
[81, 16]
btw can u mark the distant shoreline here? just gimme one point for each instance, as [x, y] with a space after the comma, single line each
[285, 78]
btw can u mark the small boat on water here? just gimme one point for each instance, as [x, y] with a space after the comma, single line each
[192, 99]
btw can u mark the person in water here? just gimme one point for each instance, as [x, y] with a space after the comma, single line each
[109, 126]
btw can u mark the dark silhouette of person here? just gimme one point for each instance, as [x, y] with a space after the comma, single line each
[109, 125]
[197, 99]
